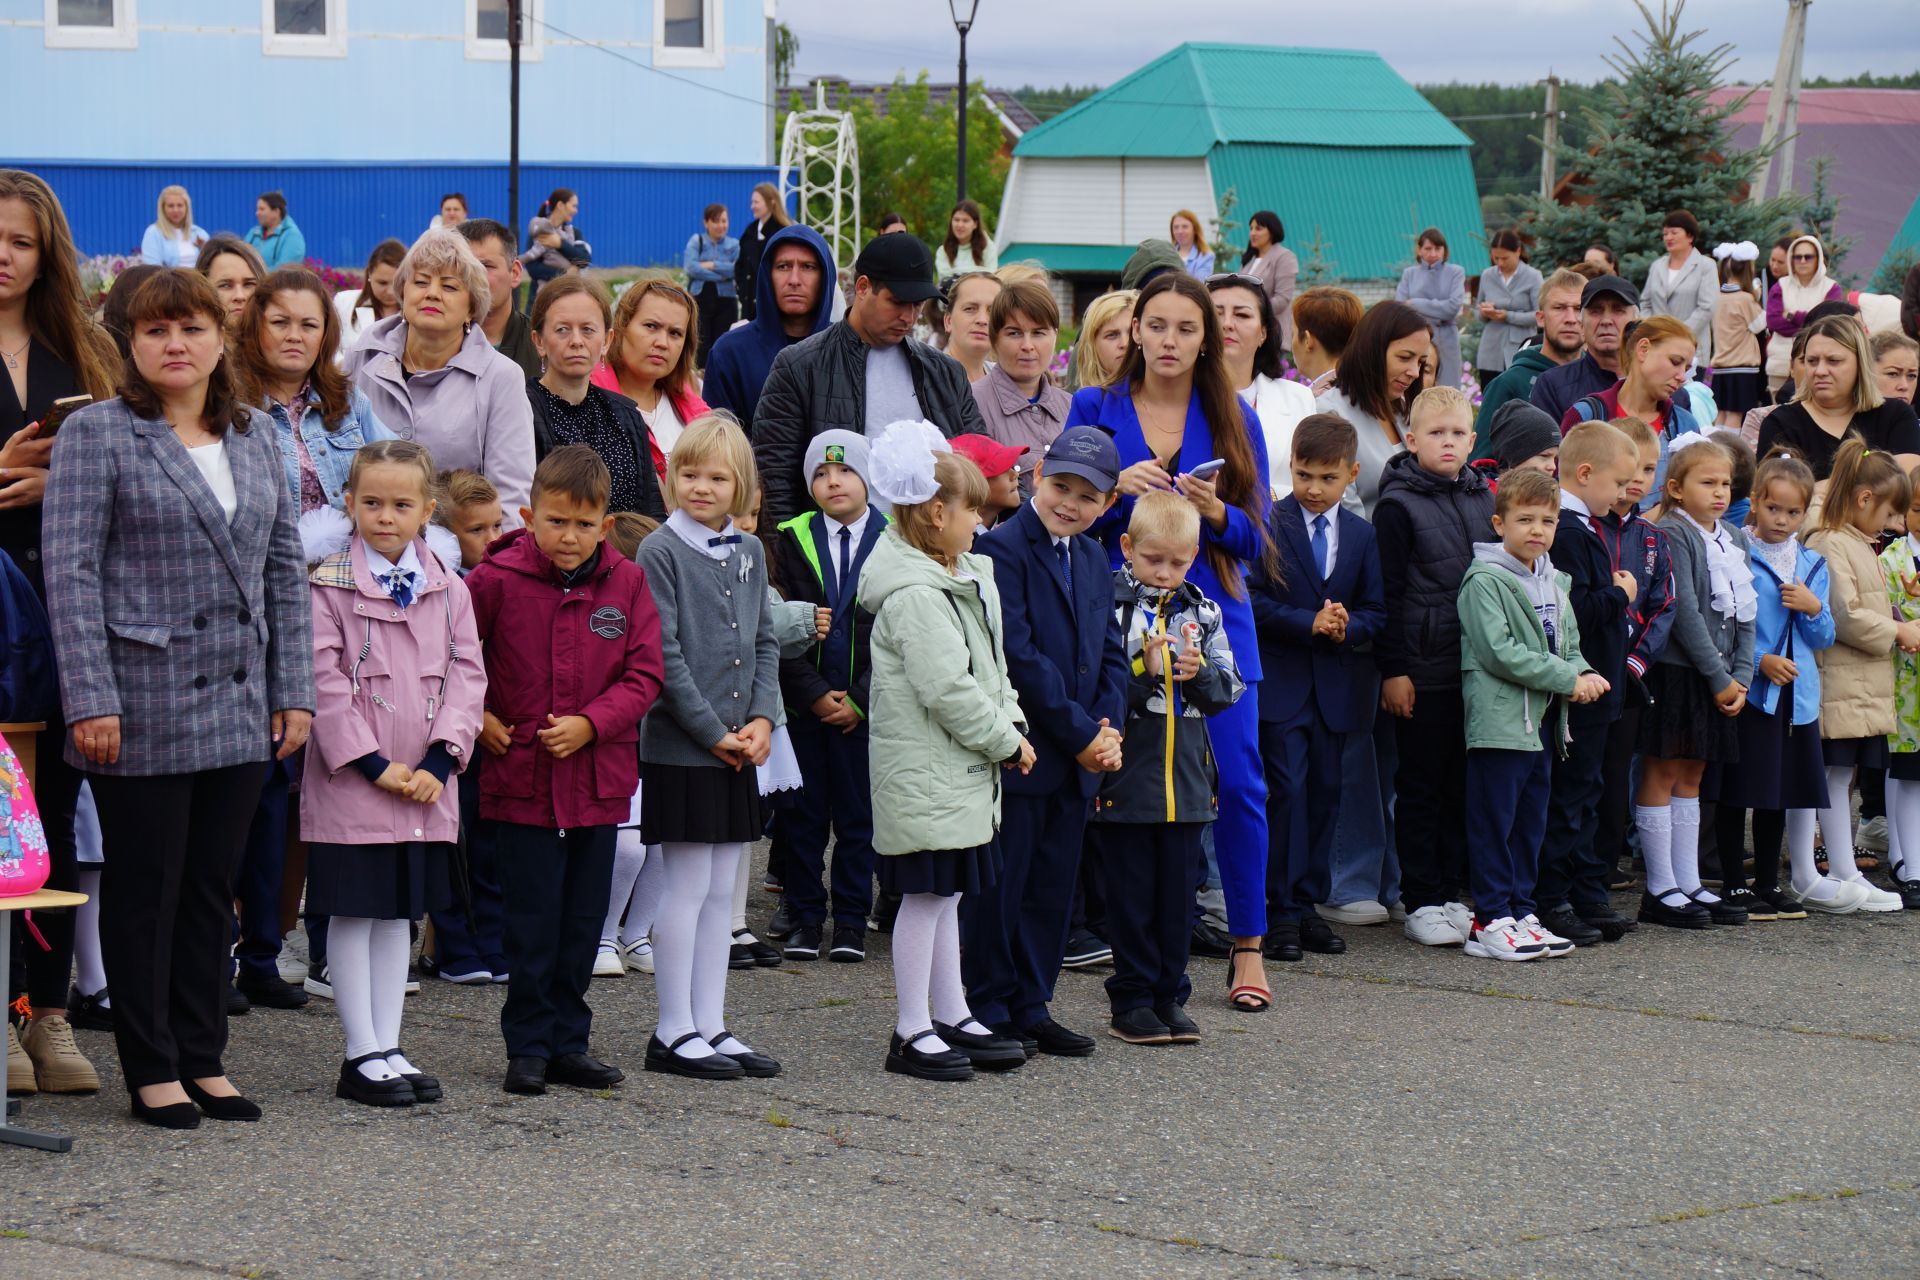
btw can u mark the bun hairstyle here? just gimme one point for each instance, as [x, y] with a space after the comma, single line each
[1856, 470]
[1782, 467]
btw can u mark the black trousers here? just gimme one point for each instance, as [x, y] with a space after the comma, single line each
[1616, 788]
[717, 315]
[263, 864]
[1014, 934]
[1302, 761]
[56, 791]
[458, 947]
[173, 845]
[1573, 871]
[1429, 824]
[1151, 868]
[835, 801]
[556, 885]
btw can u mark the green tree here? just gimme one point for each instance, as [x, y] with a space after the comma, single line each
[1658, 144]
[908, 157]
[1821, 212]
[786, 49]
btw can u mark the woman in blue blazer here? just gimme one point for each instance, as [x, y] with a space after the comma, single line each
[1171, 408]
[178, 596]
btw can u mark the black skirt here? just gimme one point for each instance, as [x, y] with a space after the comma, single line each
[1683, 722]
[1903, 766]
[1738, 390]
[944, 872]
[1862, 753]
[379, 881]
[1780, 767]
[694, 804]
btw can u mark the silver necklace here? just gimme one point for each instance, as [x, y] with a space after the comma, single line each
[13, 357]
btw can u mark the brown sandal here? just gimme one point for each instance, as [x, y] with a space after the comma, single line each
[1246, 997]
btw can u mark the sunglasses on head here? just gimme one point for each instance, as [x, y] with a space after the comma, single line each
[1231, 279]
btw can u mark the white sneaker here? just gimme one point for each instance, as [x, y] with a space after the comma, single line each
[1502, 940]
[1361, 913]
[1844, 899]
[639, 956]
[1876, 898]
[1872, 837]
[412, 987]
[1397, 911]
[1553, 942]
[318, 983]
[607, 962]
[1430, 927]
[1461, 915]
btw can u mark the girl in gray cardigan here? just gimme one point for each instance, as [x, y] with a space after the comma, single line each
[701, 744]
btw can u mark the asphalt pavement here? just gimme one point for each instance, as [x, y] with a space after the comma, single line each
[1737, 1103]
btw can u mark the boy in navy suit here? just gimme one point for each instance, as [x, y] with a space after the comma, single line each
[1069, 666]
[819, 555]
[1314, 626]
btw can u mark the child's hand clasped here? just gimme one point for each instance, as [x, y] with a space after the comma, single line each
[1396, 695]
[1627, 583]
[1021, 759]
[822, 622]
[565, 735]
[395, 778]
[1798, 597]
[1102, 755]
[1590, 687]
[423, 787]
[758, 737]
[833, 708]
[496, 735]
[1777, 669]
[1331, 621]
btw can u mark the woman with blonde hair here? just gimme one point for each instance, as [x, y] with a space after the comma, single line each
[1838, 397]
[174, 239]
[650, 351]
[1191, 244]
[769, 215]
[1102, 346]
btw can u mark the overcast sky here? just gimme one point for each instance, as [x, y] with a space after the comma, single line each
[1053, 42]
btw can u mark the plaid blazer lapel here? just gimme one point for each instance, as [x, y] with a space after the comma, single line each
[172, 457]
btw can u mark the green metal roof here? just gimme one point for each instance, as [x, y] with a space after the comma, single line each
[1072, 259]
[1200, 96]
[1907, 237]
[1367, 204]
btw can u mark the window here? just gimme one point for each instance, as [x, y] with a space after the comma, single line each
[686, 33]
[90, 24]
[303, 28]
[487, 30]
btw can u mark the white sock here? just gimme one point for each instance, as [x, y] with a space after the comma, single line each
[647, 891]
[916, 932]
[90, 971]
[1685, 812]
[693, 917]
[714, 942]
[738, 922]
[1903, 828]
[350, 969]
[1836, 823]
[948, 991]
[391, 945]
[628, 855]
[1806, 876]
[1656, 846]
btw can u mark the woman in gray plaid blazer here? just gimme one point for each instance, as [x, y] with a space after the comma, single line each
[177, 589]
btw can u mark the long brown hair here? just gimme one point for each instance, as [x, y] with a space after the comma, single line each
[176, 295]
[56, 303]
[251, 370]
[679, 378]
[951, 245]
[387, 253]
[1362, 373]
[1240, 482]
[776, 207]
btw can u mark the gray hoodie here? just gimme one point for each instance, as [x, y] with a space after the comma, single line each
[1537, 583]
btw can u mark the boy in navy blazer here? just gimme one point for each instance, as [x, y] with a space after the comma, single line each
[1315, 624]
[1068, 664]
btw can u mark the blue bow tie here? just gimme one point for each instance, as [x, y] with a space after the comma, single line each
[724, 540]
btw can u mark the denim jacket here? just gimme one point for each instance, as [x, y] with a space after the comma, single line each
[332, 451]
[722, 253]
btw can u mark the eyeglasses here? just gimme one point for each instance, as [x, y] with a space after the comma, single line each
[1806, 257]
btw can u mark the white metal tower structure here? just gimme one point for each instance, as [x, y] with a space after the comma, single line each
[1783, 102]
[820, 161]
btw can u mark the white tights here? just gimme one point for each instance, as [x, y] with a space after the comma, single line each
[90, 971]
[367, 962]
[1903, 828]
[691, 941]
[1836, 823]
[638, 881]
[926, 965]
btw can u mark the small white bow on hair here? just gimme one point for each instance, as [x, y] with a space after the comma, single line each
[1744, 251]
[902, 461]
[1683, 441]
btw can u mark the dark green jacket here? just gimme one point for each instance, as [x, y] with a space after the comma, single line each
[1514, 384]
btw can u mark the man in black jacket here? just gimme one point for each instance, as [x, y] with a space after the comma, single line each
[858, 375]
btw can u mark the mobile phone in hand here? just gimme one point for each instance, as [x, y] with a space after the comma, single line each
[1207, 470]
[62, 409]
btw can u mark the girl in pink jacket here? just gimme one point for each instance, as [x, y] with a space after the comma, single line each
[399, 688]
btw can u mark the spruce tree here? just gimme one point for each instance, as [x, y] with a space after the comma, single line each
[1658, 144]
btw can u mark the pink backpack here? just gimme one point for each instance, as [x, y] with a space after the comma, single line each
[23, 843]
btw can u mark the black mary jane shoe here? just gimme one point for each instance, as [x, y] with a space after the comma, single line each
[989, 1052]
[906, 1058]
[87, 1013]
[214, 1107]
[527, 1075]
[1183, 1030]
[761, 955]
[758, 1066]
[175, 1115]
[355, 1087]
[1283, 942]
[1687, 915]
[1317, 936]
[426, 1088]
[583, 1072]
[1007, 1031]
[1723, 911]
[715, 1066]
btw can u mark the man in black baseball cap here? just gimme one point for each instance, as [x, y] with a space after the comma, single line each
[1607, 306]
[859, 374]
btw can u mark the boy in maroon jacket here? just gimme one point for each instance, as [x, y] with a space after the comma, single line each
[572, 648]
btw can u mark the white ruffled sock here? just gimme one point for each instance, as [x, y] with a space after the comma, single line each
[1686, 848]
[1656, 846]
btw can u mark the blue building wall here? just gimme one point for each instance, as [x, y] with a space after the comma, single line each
[635, 215]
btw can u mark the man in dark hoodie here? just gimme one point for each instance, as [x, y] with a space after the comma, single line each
[793, 299]
[1559, 322]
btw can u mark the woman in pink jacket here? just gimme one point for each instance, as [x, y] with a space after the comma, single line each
[399, 689]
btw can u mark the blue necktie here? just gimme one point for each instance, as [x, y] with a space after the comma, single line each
[400, 587]
[1320, 545]
[1066, 566]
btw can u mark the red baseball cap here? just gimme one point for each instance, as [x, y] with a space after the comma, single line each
[988, 454]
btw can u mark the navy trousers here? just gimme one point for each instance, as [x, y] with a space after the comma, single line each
[1572, 871]
[458, 948]
[1013, 936]
[1302, 758]
[262, 867]
[1427, 826]
[1150, 869]
[835, 797]
[556, 886]
[1506, 802]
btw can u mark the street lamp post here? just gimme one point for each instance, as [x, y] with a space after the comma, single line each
[963, 11]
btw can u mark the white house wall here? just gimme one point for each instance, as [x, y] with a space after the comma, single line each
[1099, 200]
